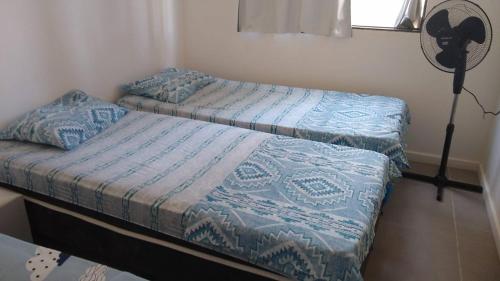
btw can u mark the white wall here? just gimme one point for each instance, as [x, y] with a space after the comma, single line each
[378, 62]
[492, 180]
[51, 46]
[48, 47]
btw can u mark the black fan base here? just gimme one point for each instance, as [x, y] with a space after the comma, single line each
[441, 182]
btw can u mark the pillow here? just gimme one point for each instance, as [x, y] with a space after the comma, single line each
[171, 85]
[66, 123]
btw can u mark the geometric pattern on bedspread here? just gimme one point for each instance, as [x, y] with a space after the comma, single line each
[358, 120]
[306, 210]
[376, 123]
[313, 221]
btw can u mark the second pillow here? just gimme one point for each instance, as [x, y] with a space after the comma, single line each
[171, 85]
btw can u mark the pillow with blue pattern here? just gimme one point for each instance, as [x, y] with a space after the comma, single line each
[66, 123]
[171, 85]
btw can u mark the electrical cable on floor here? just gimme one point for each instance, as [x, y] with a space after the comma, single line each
[485, 112]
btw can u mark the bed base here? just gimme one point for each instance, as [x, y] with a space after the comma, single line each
[59, 230]
[150, 261]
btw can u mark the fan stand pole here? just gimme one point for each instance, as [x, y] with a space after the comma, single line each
[441, 180]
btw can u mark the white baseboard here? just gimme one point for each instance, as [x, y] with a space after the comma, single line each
[434, 159]
[491, 208]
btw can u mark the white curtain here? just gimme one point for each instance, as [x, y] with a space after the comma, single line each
[322, 17]
[411, 14]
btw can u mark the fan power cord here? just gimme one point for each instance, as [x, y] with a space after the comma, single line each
[485, 112]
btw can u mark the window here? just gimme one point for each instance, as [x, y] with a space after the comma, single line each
[405, 15]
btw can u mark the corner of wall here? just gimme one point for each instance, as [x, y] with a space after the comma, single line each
[491, 208]
[489, 175]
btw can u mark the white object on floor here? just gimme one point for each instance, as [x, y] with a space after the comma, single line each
[13, 218]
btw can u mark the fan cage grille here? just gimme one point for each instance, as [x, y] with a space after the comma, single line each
[458, 10]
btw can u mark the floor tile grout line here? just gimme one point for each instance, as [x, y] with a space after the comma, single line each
[460, 273]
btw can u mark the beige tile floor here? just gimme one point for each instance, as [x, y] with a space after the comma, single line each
[421, 239]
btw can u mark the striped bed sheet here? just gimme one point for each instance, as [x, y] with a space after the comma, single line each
[363, 121]
[305, 210]
[20, 260]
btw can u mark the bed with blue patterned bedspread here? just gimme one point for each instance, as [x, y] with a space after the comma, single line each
[374, 123]
[20, 260]
[306, 210]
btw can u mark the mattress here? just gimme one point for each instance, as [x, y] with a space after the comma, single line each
[374, 123]
[305, 210]
[20, 260]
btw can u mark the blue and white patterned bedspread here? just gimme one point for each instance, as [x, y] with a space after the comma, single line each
[369, 122]
[306, 210]
[24, 261]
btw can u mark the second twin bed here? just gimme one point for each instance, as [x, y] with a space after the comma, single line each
[363, 121]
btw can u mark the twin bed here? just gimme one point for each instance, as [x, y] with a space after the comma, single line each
[363, 121]
[305, 210]
[277, 206]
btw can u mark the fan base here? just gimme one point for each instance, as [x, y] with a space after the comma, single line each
[441, 182]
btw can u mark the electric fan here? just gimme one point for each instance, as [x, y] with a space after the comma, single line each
[455, 37]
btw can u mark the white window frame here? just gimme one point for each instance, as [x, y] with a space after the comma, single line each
[356, 24]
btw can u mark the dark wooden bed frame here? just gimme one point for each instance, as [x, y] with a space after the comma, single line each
[151, 261]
